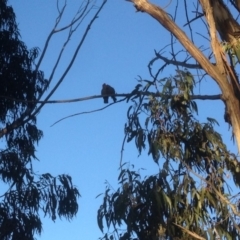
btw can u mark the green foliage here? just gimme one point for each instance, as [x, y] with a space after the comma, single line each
[232, 50]
[190, 188]
[19, 79]
[21, 84]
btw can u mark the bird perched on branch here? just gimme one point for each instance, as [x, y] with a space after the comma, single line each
[108, 90]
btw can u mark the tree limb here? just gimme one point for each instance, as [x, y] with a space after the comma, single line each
[126, 95]
[177, 63]
[221, 73]
[163, 18]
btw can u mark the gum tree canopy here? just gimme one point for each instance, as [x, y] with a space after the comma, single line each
[190, 196]
[25, 194]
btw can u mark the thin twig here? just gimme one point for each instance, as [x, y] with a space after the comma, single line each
[73, 58]
[87, 112]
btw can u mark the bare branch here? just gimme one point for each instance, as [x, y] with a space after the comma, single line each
[54, 31]
[75, 19]
[189, 25]
[125, 95]
[73, 57]
[177, 63]
[50, 36]
[96, 110]
[71, 31]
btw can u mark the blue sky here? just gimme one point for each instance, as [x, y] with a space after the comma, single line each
[87, 147]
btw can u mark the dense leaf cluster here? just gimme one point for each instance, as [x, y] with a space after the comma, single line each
[27, 193]
[189, 194]
[21, 84]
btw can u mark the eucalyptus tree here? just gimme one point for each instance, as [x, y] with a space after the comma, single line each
[189, 196]
[24, 90]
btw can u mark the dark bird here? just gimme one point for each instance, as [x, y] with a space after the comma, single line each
[108, 90]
